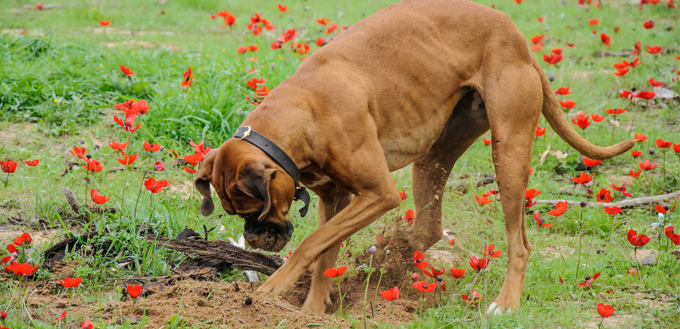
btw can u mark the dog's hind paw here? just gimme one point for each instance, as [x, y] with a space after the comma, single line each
[495, 309]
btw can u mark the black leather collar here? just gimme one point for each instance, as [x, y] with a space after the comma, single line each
[277, 154]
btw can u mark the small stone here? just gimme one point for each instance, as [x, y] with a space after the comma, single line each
[645, 257]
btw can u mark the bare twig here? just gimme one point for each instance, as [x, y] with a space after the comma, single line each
[281, 306]
[237, 318]
[625, 203]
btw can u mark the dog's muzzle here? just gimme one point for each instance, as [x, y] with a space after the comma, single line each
[265, 235]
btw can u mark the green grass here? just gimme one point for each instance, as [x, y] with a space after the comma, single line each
[60, 80]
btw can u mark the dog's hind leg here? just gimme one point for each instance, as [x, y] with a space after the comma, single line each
[514, 100]
[467, 122]
[318, 298]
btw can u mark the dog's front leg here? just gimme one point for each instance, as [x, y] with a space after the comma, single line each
[319, 297]
[366, 207]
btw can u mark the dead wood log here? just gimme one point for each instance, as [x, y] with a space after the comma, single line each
[58, 251]
[71, 199]
[220, 254]
[630, 203]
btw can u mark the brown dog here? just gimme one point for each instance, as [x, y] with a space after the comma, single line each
[417, 82]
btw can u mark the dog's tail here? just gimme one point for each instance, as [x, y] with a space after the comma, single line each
[553, 113]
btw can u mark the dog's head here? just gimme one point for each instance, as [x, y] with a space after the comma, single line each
[250, 184]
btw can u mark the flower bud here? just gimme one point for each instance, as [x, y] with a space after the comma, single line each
[651, 151]
[551, 77]
[162, 148]
[96, 146]
[414, 276]
[372, 250]
[583, 204]
[387, 252]
[82, 141]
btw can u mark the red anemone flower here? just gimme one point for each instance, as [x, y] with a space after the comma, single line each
[194, 159]
[403, 195]
[8, 166]
[62, 316]
[433, 273]
[474, 298]
[93, 165]
[645, 95]
[158, 166]
[335, 272]
[283, 8]
[390, 295]
[597, 117]
[19, 241]
[635, 174]
[425, 287]
[676, 148]
[186, 81]
[559, 210]
[606, 40]
[659, 208]
[486, 141]
[134, 291]
[254, 82]
[488, 251]
[591, 163]
[532, 193]
[562, 91]
[540, 132]
[320, 42]
[637, 240]
[155, 186]
[621, 189]
[104, 23]
[589, 280]
[675, 238]
[86, 325]
[331, 28]
[120, 147]
[478, 264]
[79, 152]
[583, 179]
[409, 216]
[594, 21]
[581, 121]
[647, 165]
[605, 311]
[21, 269]
[568, 104]
[98, 199]
[190, 170]
[323, 21]
[635, 154]
[483, 200]
[457, 273]
[32, 163]
[126, 127]
[655, 83]
[71, 283]
[612, 210]
[621, 72]
[539, 221]
[640, 138]
[128, 160]
[604, 195]
[418, 260]
[663, 144]
[200, 148]
[537, 38]
[648, 24]
[151, 147]
[126, 70]
[653, 49]
[552, 59]
[615, 111]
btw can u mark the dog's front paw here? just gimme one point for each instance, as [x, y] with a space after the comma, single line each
[317, 302]
[282, 281]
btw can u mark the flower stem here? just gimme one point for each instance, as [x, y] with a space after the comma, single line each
[580, 237]
[368, 279]
[340, 294]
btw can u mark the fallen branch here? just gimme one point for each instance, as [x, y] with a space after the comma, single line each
[599, 53]
[625, 203]
[220, 254]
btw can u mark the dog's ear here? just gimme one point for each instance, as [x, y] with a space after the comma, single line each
[261, 182]
[203, 183]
